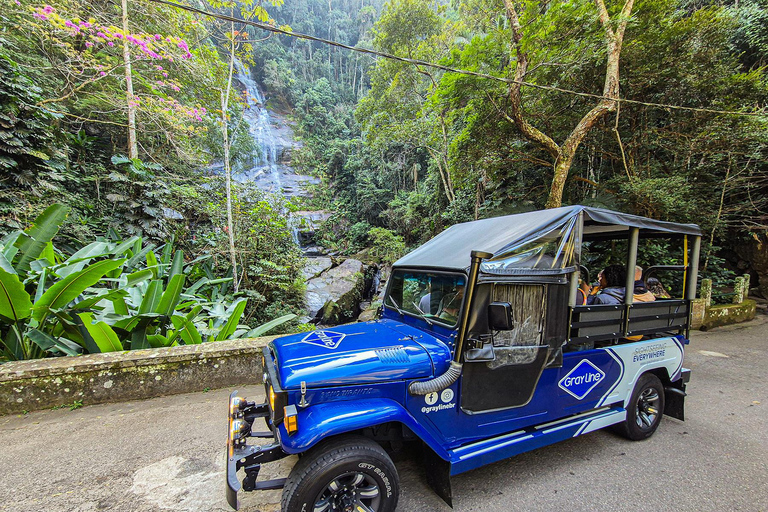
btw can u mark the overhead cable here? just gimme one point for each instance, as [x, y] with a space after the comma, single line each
[449, 69]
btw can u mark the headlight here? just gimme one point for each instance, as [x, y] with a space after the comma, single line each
[234, 406]
[238, 429]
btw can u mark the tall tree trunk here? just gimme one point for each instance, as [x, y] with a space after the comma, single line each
[133, 147]
[563, 155]
[227, 163]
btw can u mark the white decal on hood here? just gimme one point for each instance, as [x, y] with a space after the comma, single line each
[327, 339]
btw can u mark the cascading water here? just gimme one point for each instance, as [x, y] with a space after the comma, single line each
[270, 171]
[266, 173]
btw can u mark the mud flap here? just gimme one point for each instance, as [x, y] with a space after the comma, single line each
[438, 474]
[674, 397]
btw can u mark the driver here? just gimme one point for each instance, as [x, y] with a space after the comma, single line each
[451, 304]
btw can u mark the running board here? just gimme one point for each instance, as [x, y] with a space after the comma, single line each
[504, 446]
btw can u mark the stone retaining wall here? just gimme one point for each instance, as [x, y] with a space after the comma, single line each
[727, 314]
[131, 375]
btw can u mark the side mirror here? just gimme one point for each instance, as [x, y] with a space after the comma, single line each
[500, 316]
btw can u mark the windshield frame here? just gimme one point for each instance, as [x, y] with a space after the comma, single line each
[387, 304]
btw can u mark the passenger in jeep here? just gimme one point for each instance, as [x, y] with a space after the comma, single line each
[641, 293]
[612, 289]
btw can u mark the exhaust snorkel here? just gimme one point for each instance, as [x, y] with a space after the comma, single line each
[453, 372]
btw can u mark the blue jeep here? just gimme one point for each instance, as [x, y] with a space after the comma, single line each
[483, 350]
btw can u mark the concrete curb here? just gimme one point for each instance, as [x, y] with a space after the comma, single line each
[131, 375]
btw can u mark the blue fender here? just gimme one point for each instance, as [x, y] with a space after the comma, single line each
[325, 420]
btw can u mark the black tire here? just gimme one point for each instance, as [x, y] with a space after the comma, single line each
[350, 469]
[645, 409]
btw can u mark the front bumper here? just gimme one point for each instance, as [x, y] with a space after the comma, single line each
[241, 455]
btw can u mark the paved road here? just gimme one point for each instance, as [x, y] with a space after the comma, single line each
[167, 453]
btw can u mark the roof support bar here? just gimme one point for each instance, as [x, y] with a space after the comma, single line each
[634, 235]
[693, 270]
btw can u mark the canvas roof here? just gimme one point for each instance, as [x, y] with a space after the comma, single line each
[450, 250]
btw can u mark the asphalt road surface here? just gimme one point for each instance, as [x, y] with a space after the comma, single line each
[168, 453]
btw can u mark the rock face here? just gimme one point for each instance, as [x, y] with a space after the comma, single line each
[756, 253]
[333, 297]
[316, 266]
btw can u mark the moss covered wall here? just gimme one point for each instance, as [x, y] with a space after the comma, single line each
[132, 375]
[726, 314]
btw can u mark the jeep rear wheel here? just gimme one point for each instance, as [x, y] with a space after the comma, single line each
[645, 409]
[349, 474]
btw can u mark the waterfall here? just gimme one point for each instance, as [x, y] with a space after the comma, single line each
[266, 172]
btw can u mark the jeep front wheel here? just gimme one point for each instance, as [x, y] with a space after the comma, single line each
[349, 474]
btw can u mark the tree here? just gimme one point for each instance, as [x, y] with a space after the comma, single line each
[563, 154]
[236, 41]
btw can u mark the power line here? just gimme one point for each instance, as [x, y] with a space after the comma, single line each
[417, 62]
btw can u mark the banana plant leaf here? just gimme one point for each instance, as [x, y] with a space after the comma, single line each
[186, 328]
[151, 298]
[15, 303]
[237, 311]
[99, 335]
[266, 327]
[52, 345]
[6, 265]
[138, 256]
[158, 341]
[154, 264]
[14, 344]
[125, 246]
[165, 255]
[170, 296]
[106, 295]
[32, 243]
[137, 277]
[66, 290]
[177, 265]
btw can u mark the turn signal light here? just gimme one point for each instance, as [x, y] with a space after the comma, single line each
[272, 397]
[291, 419]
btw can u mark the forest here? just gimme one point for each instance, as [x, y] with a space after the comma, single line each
[122, 124]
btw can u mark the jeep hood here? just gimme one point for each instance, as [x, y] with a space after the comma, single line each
[360, 353]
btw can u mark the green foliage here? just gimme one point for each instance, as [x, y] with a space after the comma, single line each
[387, 246]
[30, 158]
[110, 295]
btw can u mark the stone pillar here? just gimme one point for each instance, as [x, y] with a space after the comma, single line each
[706, 291]
[738, 290]
[746, 286]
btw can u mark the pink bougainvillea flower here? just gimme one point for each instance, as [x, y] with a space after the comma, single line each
[88, 44]
[102, 73]
[110, 43]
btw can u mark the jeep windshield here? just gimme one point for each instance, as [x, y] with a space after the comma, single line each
[433, 296]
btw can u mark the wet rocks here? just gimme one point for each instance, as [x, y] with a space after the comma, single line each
[333, 297]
